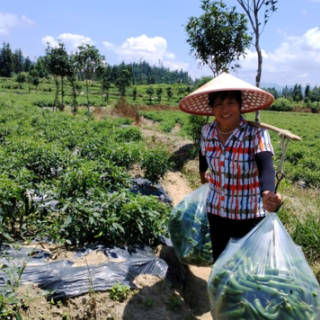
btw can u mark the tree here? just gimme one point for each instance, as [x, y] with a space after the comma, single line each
[18, 61]
[59, 64]
[273, 91]
[36, 82]
[169, 93]
[6, 61]
[297, 93]
[181, 91]
[90, 64]
[150, 92]
[41, 66]
[159, 92]
[134, 93]
[315, 94]
[105, 86]
[75, 89]
[27, 64]
[33, 78]
[307, 91]
[252, 8]
[21, 78]
[203, 80]
[218, 37]
[123, 81]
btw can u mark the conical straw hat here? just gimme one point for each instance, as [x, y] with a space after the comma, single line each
[253, 98]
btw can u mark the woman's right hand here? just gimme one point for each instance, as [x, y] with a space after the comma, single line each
[271, 201]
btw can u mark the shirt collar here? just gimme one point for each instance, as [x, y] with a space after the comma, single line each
[238, 133]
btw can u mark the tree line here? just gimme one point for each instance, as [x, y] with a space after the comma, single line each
[297, 93]
[88, 64]
[85, 65]
[141, 73]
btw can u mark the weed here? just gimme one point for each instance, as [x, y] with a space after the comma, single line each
[174, 302]
[148, 302]
[119, 292]
[10, 301]
[66, 316]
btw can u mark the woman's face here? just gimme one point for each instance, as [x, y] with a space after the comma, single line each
[227, 112]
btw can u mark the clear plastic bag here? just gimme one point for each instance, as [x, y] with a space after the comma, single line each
[264, 275]
[189, 229]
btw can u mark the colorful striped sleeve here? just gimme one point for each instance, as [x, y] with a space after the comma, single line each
[263, 141]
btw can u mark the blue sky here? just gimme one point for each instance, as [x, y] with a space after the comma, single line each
[130, 30]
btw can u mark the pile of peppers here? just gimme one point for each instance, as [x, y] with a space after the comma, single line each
[241, 291]
[189, 233]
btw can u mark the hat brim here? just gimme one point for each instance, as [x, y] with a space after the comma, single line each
[253, 98]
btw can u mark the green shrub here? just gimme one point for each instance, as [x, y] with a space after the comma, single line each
[194, 126]
[156, 163]
[281, 104]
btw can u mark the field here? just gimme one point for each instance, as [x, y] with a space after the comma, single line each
[83, 164]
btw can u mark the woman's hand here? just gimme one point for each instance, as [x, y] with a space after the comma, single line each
[271, 201]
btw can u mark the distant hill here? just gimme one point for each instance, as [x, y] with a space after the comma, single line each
[273, 85]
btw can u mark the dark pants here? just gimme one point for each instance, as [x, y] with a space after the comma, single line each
[222, 229]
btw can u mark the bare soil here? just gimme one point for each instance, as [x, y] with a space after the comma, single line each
[154, 299]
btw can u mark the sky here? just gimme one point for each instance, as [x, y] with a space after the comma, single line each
[154, 31]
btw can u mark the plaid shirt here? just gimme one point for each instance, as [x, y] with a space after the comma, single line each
[234, 188]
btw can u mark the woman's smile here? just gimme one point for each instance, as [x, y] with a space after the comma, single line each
[227, 113]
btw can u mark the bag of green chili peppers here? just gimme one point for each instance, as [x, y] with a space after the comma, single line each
[264, 276]
[189, 229]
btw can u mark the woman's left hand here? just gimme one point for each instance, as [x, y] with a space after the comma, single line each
[271, 201]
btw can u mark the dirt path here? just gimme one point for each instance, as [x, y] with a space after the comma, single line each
[177, 187]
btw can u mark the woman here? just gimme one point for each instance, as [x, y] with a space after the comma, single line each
[238, 156]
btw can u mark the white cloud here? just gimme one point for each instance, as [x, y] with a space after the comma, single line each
[49, 40]
[26, 21]
[109, 45]
[156, 45]
[148, 49]
[71, 41]
[295, 61]
[8, 21]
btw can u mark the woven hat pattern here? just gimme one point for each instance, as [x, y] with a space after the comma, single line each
[253, 98]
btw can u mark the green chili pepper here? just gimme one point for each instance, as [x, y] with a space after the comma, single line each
[219, 305]
[298, 314]
[260, 287]
[241, 272]
[233, 313]
[249, 264]
[289, 286]
[272, 271]
[251, 311]
[263, 312]
[271, 277]
[229, 290]
[238, 286]
[286, 316]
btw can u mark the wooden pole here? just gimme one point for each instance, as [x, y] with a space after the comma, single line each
[281, 132]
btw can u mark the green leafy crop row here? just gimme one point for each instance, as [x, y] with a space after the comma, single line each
[67, 178]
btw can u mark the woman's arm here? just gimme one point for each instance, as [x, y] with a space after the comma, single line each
[271, 200]
[266, 171]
